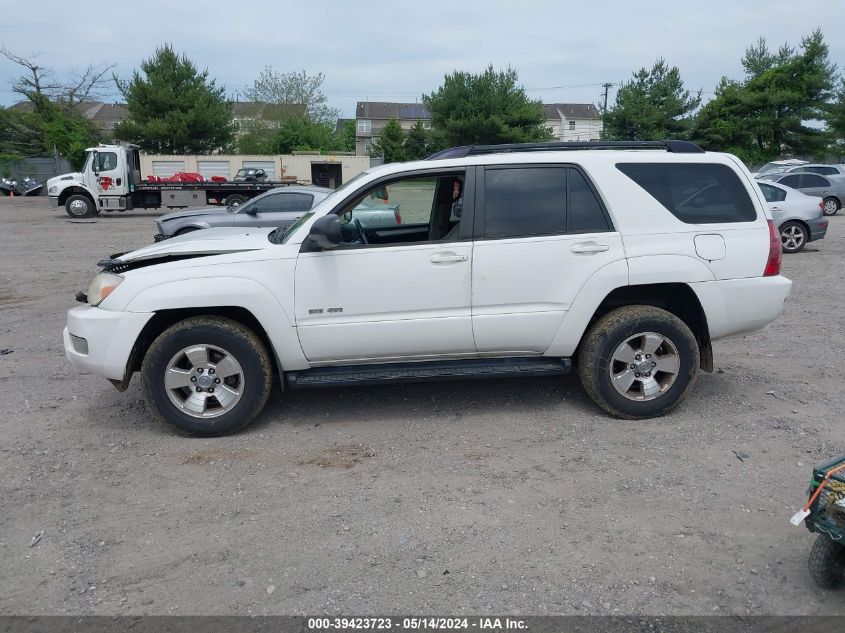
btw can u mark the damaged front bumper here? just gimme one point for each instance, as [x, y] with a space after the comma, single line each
[101, 342]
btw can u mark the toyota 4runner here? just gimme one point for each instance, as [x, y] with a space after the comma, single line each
[624, 259]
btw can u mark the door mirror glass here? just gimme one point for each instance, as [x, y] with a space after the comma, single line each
[325, 232]
[95, 163]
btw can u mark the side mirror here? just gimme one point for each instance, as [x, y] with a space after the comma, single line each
[95, 162]
[251, 209]
[325, 232]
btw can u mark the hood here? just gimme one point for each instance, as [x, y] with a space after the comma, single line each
[190, 213]
[195, 244]
[55, 180]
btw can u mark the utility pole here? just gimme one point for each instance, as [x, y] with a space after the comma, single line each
[606, 86]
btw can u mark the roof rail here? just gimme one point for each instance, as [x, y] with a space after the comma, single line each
[670, 145]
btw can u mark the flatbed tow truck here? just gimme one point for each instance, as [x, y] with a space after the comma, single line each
[110, 180]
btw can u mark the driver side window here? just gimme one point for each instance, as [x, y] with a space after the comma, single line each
[421, 208]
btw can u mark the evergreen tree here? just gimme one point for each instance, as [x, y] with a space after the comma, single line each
[653, 105]
[174, 108]
[390, 144]
[486, 108]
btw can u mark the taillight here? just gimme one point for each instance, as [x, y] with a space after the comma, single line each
[773, 263]
[821, 205]
[397, 216]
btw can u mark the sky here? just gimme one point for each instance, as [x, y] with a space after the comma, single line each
[398, 50]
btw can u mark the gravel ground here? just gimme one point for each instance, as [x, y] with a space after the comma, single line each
[508, 496]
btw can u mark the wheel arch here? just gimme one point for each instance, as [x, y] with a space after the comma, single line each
[163, 319]
[676, 298]
[77, 190]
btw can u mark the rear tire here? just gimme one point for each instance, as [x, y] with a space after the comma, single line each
[793, 236]
[615, 351]
[207, 376]
[827, 563]
[78, 206]
[831, 206]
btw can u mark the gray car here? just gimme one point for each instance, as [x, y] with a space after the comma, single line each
[798, 216]
[276, 207]
[830, 188]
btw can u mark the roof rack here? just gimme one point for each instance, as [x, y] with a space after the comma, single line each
[670, 145]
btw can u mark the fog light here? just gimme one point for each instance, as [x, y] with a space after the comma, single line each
[79, 344]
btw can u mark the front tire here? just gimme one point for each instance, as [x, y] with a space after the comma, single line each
[207, 376]
[638, 362]
[827, 563]
[793, 236]
[831, 206]
[78, 206]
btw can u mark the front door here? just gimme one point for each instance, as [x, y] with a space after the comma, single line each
[391, 293]
[276, 208]
[109, 173]
[541, 232]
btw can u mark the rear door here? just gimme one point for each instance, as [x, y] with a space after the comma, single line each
[541, 233]
[815, 185]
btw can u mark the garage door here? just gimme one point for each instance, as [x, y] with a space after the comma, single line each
[166, 168]
[267, 165]
[209, 168]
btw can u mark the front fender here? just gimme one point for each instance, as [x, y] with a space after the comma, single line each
[238, 292]
[69, 188]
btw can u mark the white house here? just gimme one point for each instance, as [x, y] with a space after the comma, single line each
[573, 121]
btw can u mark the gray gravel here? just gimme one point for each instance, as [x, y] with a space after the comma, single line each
[513, 496]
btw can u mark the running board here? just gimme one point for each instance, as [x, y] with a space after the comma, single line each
[423, 371]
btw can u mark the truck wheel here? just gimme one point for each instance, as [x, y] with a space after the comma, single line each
[831, 206]
[235, 200]
[793, 236]
[638, 362]
[207, 376]
[79, 206]
[827, 563]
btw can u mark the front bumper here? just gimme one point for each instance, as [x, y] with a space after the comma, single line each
[159, 237]
[100, 341]
[54, 201]
[738, 306]
[818, 228]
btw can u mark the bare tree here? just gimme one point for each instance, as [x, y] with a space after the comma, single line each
[272, 86]
[38, 83]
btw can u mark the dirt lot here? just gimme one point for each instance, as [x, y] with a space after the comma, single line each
[502, 496]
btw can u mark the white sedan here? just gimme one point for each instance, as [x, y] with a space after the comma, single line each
[799, 217]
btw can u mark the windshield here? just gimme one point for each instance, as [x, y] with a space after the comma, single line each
[774, 168]
[87, 164]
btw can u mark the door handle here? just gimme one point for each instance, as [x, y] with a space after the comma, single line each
[444, 258]
[589, 248]
[775, 208]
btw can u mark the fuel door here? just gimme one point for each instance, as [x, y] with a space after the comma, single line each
[710, 246]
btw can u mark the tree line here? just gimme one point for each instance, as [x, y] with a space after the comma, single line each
[791, 101]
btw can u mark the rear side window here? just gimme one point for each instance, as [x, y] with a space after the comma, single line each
[585, 212]
[825, 171]
[524, 201]
[772, 194]
[694, 193]
[812, 180]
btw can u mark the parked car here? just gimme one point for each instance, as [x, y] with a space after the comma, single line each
[777, 166]
[625, 260]
[830, 188]
[275, 208]
[251, 174]
[799, 217]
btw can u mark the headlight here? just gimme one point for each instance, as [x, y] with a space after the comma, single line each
[101, 287]
[53, 189]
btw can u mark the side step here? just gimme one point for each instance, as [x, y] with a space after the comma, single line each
[431, 370]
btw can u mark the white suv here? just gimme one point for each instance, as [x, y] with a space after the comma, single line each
[625, 259]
